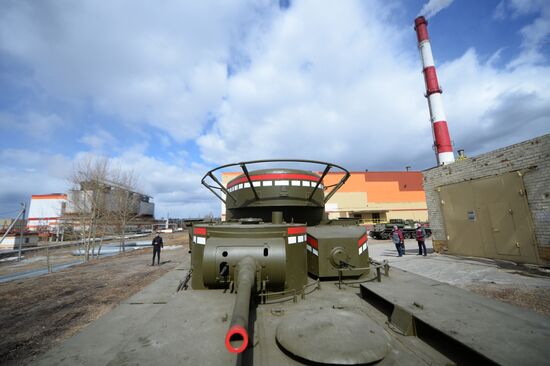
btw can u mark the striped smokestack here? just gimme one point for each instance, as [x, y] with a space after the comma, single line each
[442, 140]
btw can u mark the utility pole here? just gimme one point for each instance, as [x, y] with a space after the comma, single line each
[21, 231]
[21, 214]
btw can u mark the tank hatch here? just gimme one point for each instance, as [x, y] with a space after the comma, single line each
[333, 336]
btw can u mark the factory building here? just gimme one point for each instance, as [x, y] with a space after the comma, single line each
[47, 211]
[141, 204]
[372, 197]
[495, 205]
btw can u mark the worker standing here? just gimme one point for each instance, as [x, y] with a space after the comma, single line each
[157, 245]
[420, 237]
[399, 240]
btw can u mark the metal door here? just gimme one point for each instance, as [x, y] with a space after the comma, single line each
[508, 225]
[489, 217]
[461, 221]
[503, 229]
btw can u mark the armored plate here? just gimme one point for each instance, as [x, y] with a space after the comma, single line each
[329, 245]
[333, 336]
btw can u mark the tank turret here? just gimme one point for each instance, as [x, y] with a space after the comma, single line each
[298, 194]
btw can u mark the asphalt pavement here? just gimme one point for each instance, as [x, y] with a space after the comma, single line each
[459, 271]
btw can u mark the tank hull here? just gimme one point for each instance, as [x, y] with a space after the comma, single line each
[279, 249]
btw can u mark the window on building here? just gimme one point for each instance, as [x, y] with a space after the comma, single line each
[376, 217]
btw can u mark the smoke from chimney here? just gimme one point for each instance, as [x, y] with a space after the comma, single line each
[433, 7]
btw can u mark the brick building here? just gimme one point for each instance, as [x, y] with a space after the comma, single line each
[495, 205]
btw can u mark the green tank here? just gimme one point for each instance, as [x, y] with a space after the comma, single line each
[272, 238]
[383, 231]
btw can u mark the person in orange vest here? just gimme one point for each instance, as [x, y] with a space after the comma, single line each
[399, 240]
[420, 237]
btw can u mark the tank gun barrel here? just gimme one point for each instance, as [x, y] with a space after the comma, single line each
[236, 339]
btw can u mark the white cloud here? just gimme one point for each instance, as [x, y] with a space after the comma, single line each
[500, 11]
[37, 126]
[490, 108]
[26, 172]
[176, 188]
[98, 140]
[314, 93]
[338, 82]
[163, 66]
[355, 96]
[536, 35]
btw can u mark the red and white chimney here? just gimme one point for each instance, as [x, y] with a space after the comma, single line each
[442, 140]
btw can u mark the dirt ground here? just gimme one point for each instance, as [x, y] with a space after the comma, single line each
[39, 312]
[533, 299]
[37, 259]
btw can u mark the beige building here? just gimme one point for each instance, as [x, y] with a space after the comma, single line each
[12, 240]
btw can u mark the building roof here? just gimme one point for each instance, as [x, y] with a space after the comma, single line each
[50, 196]
[109, 183]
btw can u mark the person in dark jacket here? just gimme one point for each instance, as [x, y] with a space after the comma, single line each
[420, 237]
[157, 244]
[399, 240]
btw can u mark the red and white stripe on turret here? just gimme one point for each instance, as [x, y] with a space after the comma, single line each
[442, 140]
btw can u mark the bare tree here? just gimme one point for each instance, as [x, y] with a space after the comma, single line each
[87, 201]
[125, 201]
[43, 230]
[103, 201]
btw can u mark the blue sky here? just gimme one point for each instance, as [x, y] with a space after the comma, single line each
[172, 91]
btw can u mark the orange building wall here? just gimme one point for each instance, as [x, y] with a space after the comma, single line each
[383, 186]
